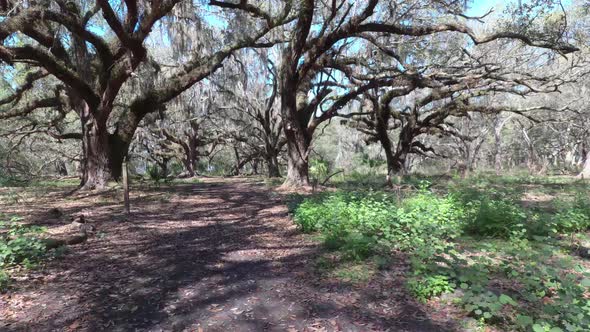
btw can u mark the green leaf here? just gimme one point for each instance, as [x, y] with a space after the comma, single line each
[487, 315]
[505, 299]
[538, 328]
[478, 312]
[585, 282]
[523, 320]
[464, 285]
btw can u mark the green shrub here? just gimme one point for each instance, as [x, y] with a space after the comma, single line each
[495, 218]
[355, 180]
[544, 295]
[361, 223]
[18, 245]
[10, 181]
[573, 220]
[4, 280]
[424, 288]
[352, 222]
[318, 170]
[355, 245]
[519, 277]
[427, 219]
[489, 212]
[573, 217]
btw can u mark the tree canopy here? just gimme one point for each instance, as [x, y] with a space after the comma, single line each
[254, 80]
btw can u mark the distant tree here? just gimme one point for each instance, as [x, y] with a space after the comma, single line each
[450, 87]
[250, 116]
[325, 64]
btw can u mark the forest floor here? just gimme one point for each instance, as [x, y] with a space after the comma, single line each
[214, 255]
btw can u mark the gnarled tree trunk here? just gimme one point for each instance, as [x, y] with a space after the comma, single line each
[191, 158]
[103, 157]
[103, 152]
[382, 121]
[297, 159]
[191, 150]
[295, 127]
[298, 146]
[404, 148]
[96, 165]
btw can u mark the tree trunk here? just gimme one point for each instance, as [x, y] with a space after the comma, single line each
[192, 152]
[465, 166]
[531, 159]
[297, 158]
[497, 154]
[474, 149]
[393, 168]
[403, 149]
[61, 168]
[298, 137]
[95, 142]
[190, 162]
[163, 164]
[255, 167]
[190, 170]
[237, 169]
[499, 125]
[273, 167]
[238, 166]
[585, 173]
[103, 155]
[393, 164]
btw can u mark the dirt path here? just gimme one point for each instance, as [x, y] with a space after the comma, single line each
[216, 256]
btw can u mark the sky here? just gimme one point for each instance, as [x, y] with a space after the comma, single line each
[480, 7]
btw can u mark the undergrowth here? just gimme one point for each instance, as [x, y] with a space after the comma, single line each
[504, 263]
[19, 246]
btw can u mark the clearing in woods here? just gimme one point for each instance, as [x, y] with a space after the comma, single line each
[218, 255]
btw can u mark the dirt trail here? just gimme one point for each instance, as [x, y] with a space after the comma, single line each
[221, 255]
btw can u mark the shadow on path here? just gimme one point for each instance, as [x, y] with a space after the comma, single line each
[218, 256]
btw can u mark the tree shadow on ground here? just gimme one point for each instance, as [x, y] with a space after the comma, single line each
[221, 257]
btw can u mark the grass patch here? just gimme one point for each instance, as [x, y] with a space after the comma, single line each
[12, 181]
[338, 267]
[193, 180]
[56, 183]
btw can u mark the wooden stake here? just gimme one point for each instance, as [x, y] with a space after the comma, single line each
[126, 186]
